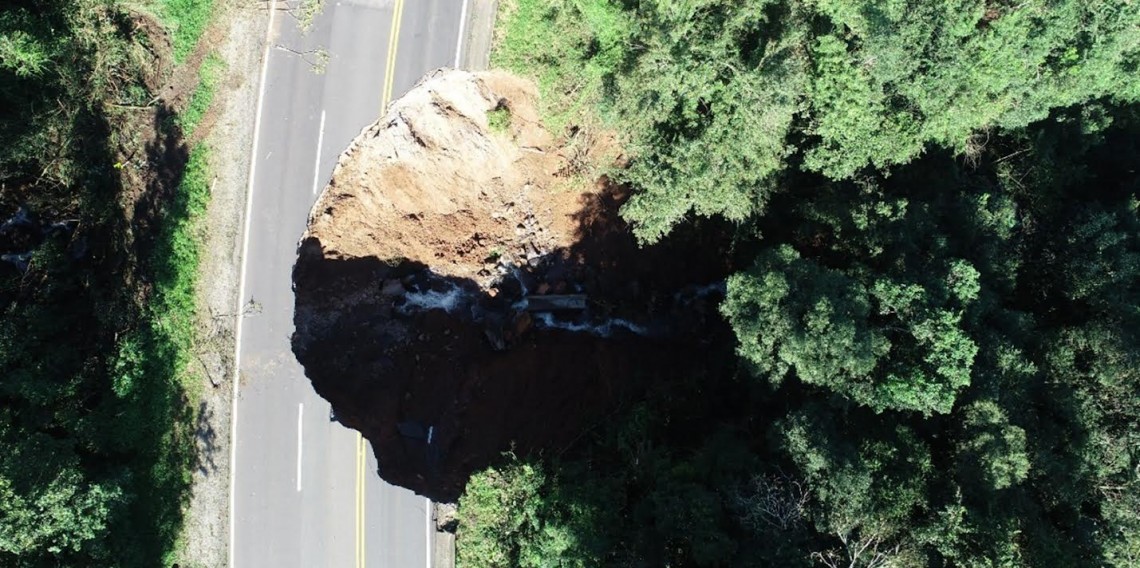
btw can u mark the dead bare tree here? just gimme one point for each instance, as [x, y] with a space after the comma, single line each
[213, 344]
[317, 59]
[303, 11]
[774, 500]
[866, 550]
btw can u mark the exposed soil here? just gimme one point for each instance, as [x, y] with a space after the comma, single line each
[419, 280]
[432, 183]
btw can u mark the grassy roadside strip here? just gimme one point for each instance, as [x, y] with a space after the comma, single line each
[187, 19]
[175, 312]
[155, 374]
[208, 75]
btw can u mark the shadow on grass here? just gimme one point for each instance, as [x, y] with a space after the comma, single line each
[98, 324]
[97, 336]
[158, 414]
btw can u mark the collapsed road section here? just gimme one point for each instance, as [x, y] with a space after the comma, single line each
[465, 286]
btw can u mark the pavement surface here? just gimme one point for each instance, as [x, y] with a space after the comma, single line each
[304, 488]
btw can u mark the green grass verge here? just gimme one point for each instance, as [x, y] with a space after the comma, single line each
[568, 49]
[187, 20]
[208, 76]
[154, 377]
[176, 262]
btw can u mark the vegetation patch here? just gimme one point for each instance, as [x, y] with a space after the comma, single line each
[307, 12]
[209, 74]
[186, 19]
[499, 120]
[97, 285]
[932, 346]
[568, 48]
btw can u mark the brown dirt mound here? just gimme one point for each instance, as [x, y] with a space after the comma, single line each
[434, 183]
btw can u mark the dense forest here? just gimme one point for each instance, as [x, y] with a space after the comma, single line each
[934, 355]
[98, 191]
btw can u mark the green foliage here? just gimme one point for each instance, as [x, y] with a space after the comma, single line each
[208, 76]
[993, 452]
[568, 47]
[497, 506]
[821, 330]
[882, 345]
[20, 52]
[97, 332]
[852, 115]
[176, 259]
[307, 12]
[499, 120]
[68, 50]
[719, 98]
[187, 19]
[48, 505]
[506, 519]
[936, 73]
[710, 96]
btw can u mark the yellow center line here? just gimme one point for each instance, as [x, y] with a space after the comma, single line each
[393, 46]
[389, 76]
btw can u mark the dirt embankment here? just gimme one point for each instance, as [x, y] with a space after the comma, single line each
[465, 286]
[433, 182]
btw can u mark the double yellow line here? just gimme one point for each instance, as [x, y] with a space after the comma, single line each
[393, 45]
[361, 447]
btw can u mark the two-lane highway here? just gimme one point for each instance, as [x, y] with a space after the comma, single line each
[304, 491]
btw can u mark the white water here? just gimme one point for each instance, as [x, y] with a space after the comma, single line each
[19, 260]
[522, 283]
[450, 300]
[702, 291]
[455, 298]
[604, 329]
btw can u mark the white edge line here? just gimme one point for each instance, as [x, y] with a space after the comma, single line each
[320, 143]
[300, 436]
[462, 25]
[427, 530]
[241, 285]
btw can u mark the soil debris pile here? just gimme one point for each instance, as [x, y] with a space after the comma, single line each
[433, 182]
[464, 288]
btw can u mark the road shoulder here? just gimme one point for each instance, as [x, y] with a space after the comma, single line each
[237, 34]
[479, 33]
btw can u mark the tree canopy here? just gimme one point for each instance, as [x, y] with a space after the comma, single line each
[94, 420]
[720, 97]
[935, 352]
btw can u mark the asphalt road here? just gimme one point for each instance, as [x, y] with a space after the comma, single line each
[305, 492]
